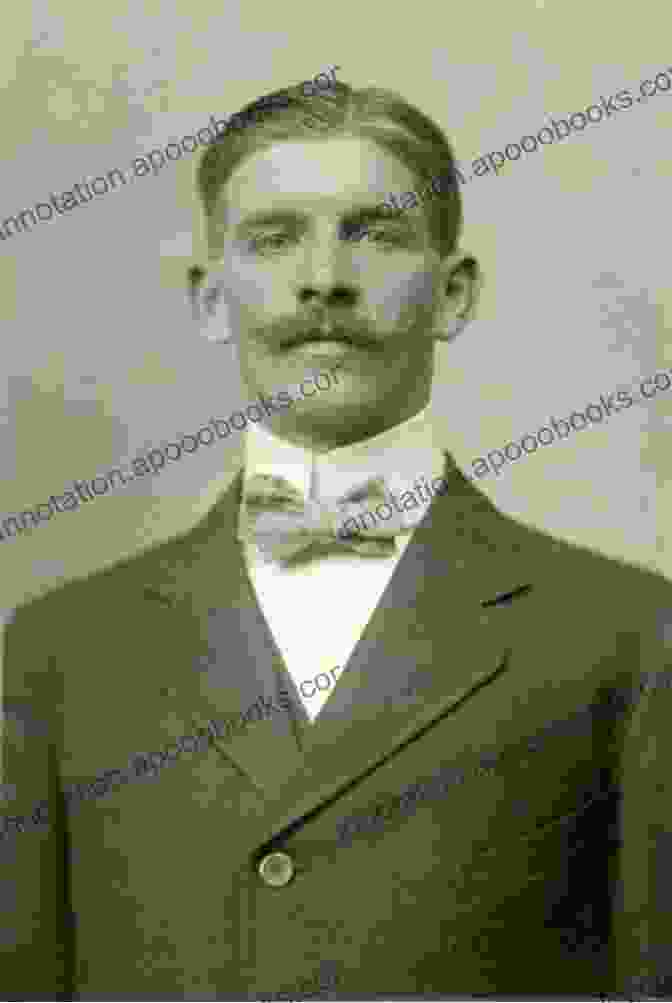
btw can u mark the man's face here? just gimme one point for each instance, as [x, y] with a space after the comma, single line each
[313, 278]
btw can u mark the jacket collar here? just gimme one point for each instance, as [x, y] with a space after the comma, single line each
[443, 618]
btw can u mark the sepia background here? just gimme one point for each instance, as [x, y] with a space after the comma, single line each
[101, 358]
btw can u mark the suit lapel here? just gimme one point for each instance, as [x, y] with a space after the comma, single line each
[202, 582]
[458, 560]
[442, 620]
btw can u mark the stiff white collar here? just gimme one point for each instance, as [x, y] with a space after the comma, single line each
[403, 454]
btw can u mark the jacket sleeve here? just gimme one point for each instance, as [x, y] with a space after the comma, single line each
[34, 948]
[642, 916]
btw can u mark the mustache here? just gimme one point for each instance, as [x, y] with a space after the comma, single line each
[291, 332]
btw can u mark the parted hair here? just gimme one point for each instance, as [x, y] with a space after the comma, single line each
[370, 113]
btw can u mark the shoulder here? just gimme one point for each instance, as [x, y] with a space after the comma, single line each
[114, 584]
[617, 578]
[581, 573]
[63, 616]
[588, 587]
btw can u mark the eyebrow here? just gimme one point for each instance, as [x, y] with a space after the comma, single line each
[274, 217]
[362, 221]
[267, 217]
[373, 214]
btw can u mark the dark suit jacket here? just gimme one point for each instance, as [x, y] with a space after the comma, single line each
[546, 873]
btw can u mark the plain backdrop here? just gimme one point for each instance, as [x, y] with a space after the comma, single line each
[100, 355]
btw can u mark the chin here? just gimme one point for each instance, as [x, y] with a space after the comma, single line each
[337, 401]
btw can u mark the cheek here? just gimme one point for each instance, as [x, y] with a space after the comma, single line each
[246, 291]
[256, 293]
[405, 294]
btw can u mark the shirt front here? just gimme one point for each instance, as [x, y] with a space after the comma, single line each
[317, 609]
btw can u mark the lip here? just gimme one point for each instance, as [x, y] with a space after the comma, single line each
[325, 346]
[316, 339]
[317, 336]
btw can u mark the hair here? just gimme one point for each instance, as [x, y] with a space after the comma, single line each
[369, 113]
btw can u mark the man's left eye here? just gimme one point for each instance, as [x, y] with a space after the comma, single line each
[381, 235]
[378, 235]
[270, 242]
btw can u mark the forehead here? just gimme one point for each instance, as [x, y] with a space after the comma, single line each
[327, 175]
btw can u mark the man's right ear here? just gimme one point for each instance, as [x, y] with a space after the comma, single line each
[207, 305]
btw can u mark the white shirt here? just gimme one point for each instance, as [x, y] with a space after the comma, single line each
[317, 611]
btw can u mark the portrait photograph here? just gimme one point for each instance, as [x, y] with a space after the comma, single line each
[336, 621]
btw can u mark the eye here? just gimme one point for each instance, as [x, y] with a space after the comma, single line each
[269, 242]
[383, 235]
[357, 233]
[378, 235]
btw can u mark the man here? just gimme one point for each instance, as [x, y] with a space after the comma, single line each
[478, 803]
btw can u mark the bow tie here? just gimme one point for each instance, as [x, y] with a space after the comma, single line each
[276, 518]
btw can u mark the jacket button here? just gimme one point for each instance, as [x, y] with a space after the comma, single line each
[276, 869]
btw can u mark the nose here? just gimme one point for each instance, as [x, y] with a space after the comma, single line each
[326, 274]
[331, 295]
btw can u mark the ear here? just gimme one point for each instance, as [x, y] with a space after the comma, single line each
[461, 283]
[207, 304]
